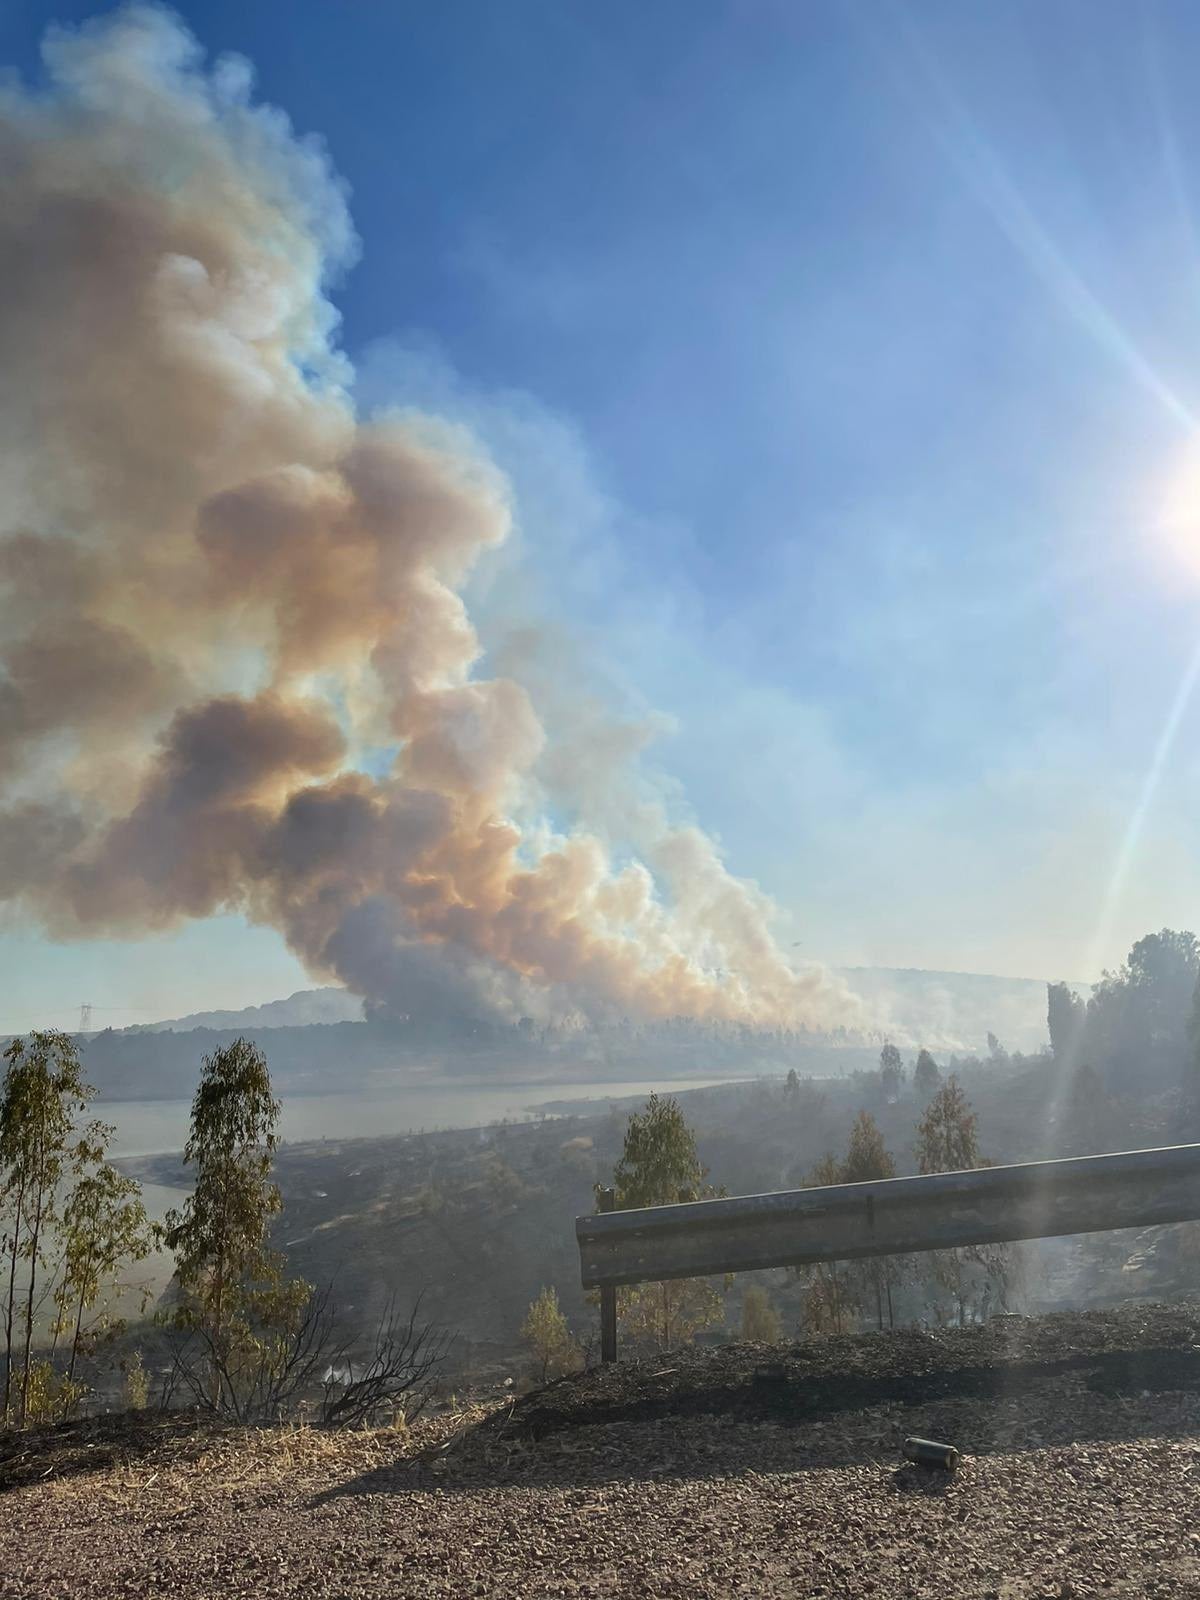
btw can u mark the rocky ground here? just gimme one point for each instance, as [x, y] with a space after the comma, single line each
[743, 1471]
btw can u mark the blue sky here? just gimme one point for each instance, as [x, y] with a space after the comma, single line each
[843, 357]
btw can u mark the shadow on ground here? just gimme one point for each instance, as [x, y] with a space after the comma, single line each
[1008, 1386]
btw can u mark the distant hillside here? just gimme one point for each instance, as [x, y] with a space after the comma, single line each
[944, 1010]
[354, 1057]
[300, 1010]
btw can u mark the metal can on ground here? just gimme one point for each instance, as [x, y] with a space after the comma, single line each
[932, 1454]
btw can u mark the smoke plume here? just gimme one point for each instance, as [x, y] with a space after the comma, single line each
[236, 667]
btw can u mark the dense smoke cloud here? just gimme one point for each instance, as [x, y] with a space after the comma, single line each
[237, 670]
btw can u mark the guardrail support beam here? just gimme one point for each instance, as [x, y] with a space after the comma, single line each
[895, 1216]
[606, 1200]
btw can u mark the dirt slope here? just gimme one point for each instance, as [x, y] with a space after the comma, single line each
[1081, 1471]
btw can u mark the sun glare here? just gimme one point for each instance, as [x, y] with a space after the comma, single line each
[1178, 523]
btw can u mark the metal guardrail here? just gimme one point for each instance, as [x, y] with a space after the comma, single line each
[894, 1216]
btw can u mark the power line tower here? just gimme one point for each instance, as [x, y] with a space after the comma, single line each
[85, 1016]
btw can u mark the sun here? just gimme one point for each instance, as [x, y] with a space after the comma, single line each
[1178, 521]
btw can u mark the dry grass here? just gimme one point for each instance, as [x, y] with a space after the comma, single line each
[305, 1454]
[1079, 1478]
[135, 1449]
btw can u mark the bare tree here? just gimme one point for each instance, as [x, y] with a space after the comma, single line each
[399, 1373]
[272, 1376]
[350, 1381]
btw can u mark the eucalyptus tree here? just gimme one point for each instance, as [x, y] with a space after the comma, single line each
[232, 1293]
[42, 1095]
[868, 1159]
[103, 1229]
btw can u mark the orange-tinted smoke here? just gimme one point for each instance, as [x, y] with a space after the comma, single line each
[236, 669]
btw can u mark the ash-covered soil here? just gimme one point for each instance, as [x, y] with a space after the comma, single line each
[1120, 1351]
[743, 1471]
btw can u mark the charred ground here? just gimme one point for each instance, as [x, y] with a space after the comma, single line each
[1127, 1351]
[747, 1470]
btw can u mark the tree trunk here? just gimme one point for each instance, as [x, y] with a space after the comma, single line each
[58, 1296]
[10, 1308]
[34, 1240]
[218, 1314]
[218, 1330]
[35, 1237]
[79, 1320]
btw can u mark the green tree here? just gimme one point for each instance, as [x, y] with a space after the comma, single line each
[42, 1094]
[946, 1134]
[659, 1166]
[761, 1323]
[867, 1157]
[231, 1288]
[104, 1228]
[1163, 969]
[891, 1070]
[1137, 1024]
[135, 1389]
[49, 1395]
[926, 1076]
[1066, 1015]
[868, 1160]
[829, 1294]
[555, 1350]
[792, 1082]
[947, 1141]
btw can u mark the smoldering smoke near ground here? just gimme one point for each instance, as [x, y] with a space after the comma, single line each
[238, 671]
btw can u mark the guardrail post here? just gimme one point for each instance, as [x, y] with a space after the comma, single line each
[606, 1200]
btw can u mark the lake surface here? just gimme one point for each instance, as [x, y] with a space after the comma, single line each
[147, 1127]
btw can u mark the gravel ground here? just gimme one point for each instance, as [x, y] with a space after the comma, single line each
[1073, 1483]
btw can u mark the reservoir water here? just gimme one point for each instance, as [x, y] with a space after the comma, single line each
[146, 1127]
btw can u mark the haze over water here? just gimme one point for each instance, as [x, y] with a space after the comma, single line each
[147, 1127]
